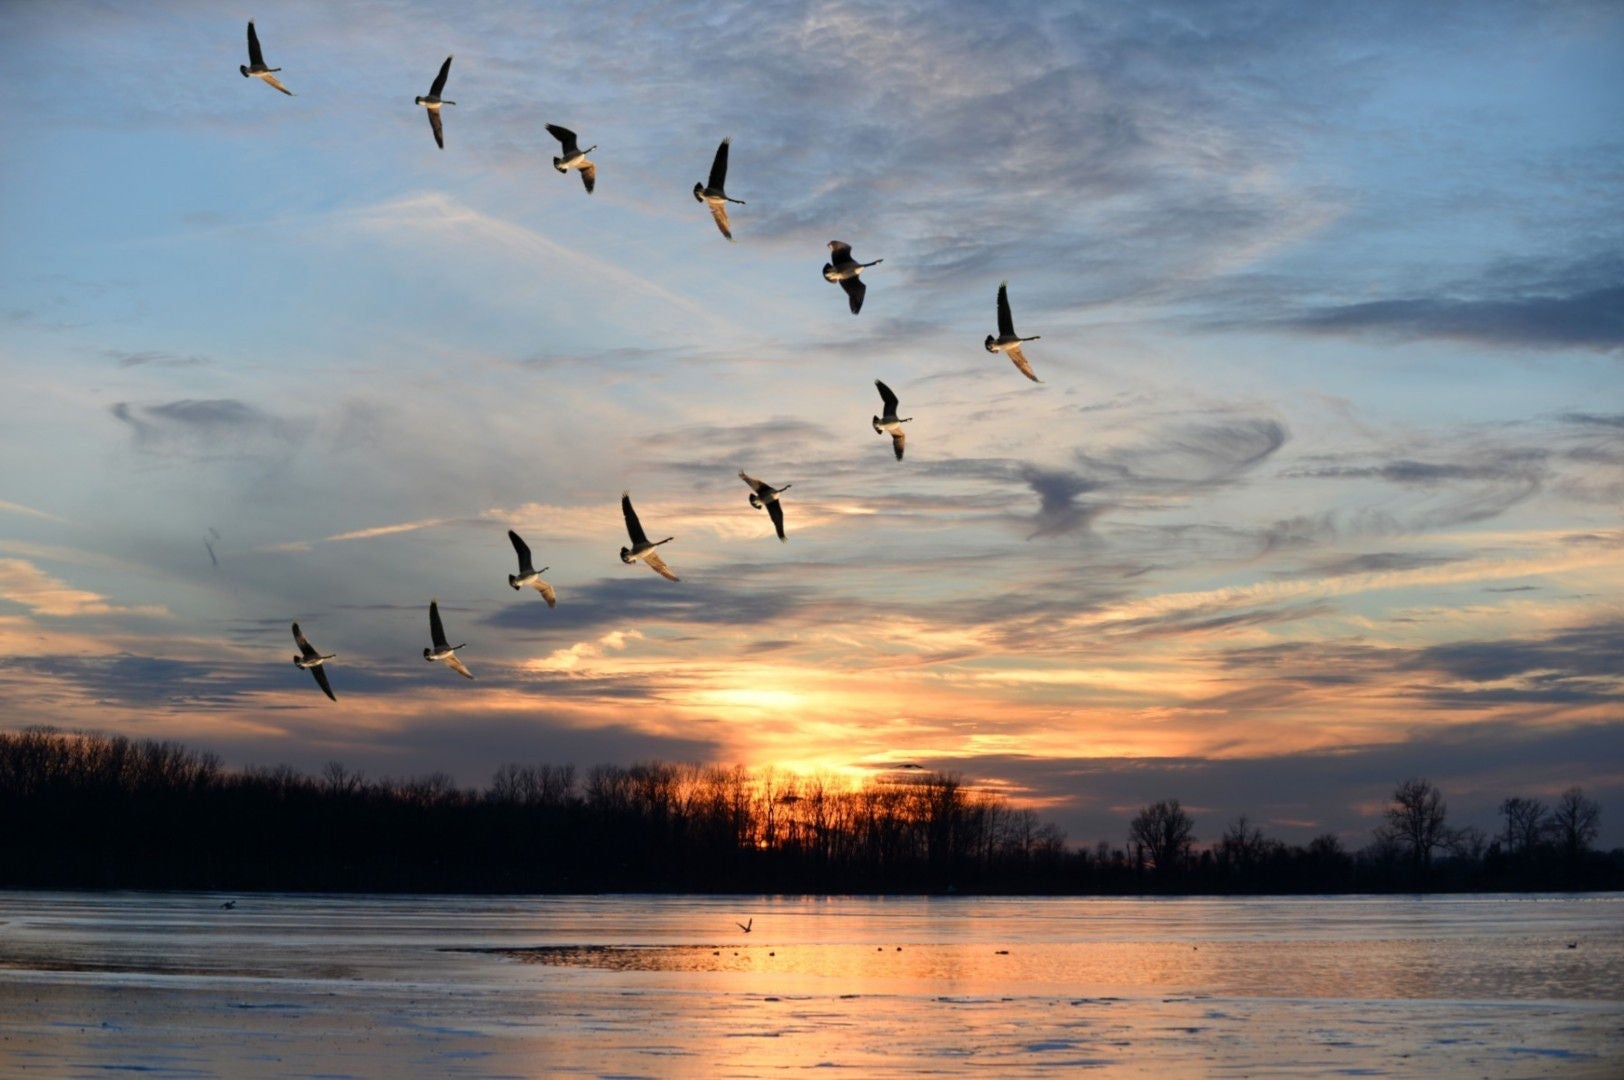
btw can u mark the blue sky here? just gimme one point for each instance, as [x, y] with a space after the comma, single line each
[1321, 489]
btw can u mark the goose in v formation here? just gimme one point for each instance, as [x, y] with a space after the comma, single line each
[843, 269]
[311, 660]
[713, 193]
[574, 157]
[256, 63]
[528, 574]
[890, 423]
[1007, 341]
[641, 548]
[764, 494]
[433, 101]
[443, 652]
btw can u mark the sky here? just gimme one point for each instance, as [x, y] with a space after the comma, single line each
[1321, 489]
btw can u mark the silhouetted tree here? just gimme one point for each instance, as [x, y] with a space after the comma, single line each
[1164, 832]
[1575, 823]
[1526, 824]
[1417, 822]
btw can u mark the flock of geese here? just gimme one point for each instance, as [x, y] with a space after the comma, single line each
[841, 269]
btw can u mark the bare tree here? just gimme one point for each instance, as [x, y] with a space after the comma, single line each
[1575, 823]
[1416, 821]
[1165, 832]
[1526, 823]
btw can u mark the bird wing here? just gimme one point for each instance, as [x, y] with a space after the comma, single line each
[1019, 358]
[546, 592]
[458, 666]
[439, 132]
[775, 510]
[1006, 322]
[439, 80]
[321, 680]
[436, 629]
[659, 566]
[523, 551]
[755, 485]
[255, 57]
[589, 176]
[273, 81]
[855, 290]
[634, 528]
[304, 646]
[839, 252]
[887, 398]
[898, 440]
[719, 213]
[718, 173]
[565, 136]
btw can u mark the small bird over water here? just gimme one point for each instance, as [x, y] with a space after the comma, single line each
[312, 661]
[256, 63]
[890, 423]
[764, 494]
[446, 654]
[1007, 342]
[528, 574]
[714, 194]
[641, 548]
[842, 268]
[574, 157]
[433, 102]
[747, 924]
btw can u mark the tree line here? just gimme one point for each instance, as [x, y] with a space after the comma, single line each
[95, 811]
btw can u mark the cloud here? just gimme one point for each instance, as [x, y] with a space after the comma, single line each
[154, 358]
[205, 428]
[1058, 512]
[24, 583]
[1593, 319]
[29, 511]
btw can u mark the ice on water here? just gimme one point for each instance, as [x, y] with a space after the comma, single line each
[655, 986]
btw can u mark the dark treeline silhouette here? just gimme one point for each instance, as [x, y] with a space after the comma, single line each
[93, 811]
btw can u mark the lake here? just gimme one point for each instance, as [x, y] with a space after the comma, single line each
[285, 985]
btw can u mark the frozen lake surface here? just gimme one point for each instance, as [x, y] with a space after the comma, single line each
[98, 984]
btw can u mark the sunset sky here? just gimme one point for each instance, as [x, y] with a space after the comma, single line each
[1322, 487]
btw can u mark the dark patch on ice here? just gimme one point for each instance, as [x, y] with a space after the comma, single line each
[1058, 1044]
[266, 1005]
[1548, 1051]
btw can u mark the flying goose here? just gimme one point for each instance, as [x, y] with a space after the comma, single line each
[844, 269]
[641, 548]
[747, 924]
[433, 102]
[446, 654]
[256, 63]
[574, 157]
[528, 574]
[764, 494]
[713, 193]
[890, 423]
[1007, 342]
[312, 661]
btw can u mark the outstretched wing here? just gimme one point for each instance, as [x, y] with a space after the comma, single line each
[719, 215]
[887, 398]
[659, 567]
[755, 485]
[898, 440]
[589, 176]
[304, 646]
[439, 80]
[1006, 322]
[320, 673]
[1019, 358]
[565, 136]
[546, 592]
[273, 81]
[775, 510]
[634, 528]
[255, 57]
[436, 629]
[434, 123]
[457, 665]
[718, 173]
[523, 551]
[839, 252]
[855, 291]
